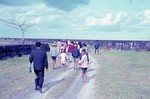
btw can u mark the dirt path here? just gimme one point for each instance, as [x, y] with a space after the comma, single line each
[64, 85]
[80, 90]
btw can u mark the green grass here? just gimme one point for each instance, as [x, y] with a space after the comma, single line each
[122, 75]
[14, 75]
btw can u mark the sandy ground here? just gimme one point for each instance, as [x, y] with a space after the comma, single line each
[64, 84]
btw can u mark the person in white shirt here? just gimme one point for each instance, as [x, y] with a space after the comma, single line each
[84, 65]
[58, 45]
[63, 59]
[54, 54]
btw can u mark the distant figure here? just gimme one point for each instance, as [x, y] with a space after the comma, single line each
[64, 45]
[54, 54]
[58, 45]
[80, 48]
[79, 45]
[96, 46]
[84, 65]
[75, 55]
[69, 50]
[63, 58]
[62, 48]
[39, 59]
[85, 47]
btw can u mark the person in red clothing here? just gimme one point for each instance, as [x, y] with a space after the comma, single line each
[70, 49]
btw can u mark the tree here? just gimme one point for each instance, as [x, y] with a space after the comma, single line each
[21, 25]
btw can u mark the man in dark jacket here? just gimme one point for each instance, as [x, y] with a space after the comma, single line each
[39, 59]
[96, 46]
[75, 55]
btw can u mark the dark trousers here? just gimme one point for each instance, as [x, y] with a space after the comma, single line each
[80, 56]
[39, 81]
[96, 50]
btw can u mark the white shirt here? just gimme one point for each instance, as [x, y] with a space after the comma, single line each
[83, 61]
[63, 57]
[58, 45]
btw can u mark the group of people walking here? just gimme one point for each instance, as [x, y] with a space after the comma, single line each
[67, 51]
[63, 51]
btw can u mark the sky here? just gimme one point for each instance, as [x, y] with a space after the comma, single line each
[78, 19]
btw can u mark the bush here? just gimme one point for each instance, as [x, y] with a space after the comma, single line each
[10, 51]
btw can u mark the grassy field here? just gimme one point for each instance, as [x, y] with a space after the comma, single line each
[122, 75]
[14, 75]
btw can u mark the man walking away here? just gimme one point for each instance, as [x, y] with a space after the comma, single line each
[75, 55]
[96, 46]
[39, 59]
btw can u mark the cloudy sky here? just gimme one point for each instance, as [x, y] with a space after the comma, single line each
[78, 19]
